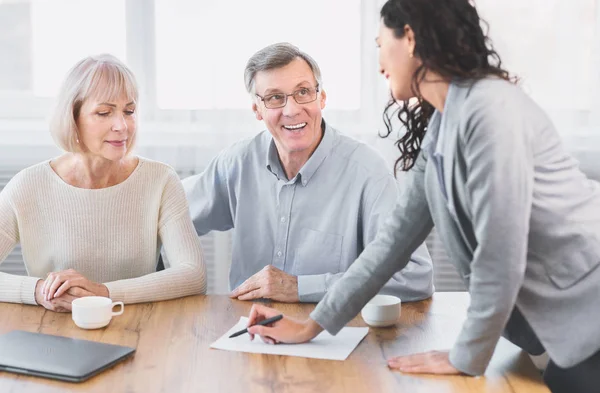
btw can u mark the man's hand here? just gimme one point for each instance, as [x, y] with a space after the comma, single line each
[58, 283]
[269, 283]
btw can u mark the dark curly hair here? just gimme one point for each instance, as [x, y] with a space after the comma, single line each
[449, 41]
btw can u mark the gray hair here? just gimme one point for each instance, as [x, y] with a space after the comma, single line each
[103, 77]
[277, 56]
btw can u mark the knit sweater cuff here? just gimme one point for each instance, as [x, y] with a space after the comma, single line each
[116, 291]
[27, 289]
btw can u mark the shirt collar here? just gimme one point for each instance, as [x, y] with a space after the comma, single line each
[273, 164]
[321, 152]
[313, 163]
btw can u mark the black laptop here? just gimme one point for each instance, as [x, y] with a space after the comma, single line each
[62, 358]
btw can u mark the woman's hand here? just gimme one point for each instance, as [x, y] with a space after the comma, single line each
[58, 283]
[60, 304]
[433, 362]
[286, 330]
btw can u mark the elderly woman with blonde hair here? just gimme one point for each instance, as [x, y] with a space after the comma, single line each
[92, 221]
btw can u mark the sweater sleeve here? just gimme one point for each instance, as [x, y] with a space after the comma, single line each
[13, 288]
[187, 272]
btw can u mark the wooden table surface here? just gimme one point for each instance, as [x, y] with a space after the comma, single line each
[173, 355]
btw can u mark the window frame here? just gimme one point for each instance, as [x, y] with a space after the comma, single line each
[22, 106]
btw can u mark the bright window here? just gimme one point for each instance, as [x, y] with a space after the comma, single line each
[41, 40]
[82, 28]
[202, 48]
[550, 44]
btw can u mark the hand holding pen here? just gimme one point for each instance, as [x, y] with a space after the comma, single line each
[283, 330]
[264, 322]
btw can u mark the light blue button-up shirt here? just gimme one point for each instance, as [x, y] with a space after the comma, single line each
[313, 226]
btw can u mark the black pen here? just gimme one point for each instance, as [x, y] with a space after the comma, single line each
[263, 322]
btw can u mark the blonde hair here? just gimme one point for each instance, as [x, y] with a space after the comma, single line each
[103, 77]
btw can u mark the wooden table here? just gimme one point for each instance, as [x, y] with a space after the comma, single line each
[173, 355]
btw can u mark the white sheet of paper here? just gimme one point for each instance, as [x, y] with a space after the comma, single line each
[324, 346]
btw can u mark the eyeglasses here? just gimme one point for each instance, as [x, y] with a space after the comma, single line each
[301, 96]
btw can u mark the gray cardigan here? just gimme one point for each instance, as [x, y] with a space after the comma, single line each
[519, 221]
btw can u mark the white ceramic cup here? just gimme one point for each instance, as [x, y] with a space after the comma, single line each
[382, 310]
[94, 312]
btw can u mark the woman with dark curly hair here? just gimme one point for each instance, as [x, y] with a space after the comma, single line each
[485, 165]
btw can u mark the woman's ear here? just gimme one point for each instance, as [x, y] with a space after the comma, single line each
[409, 34]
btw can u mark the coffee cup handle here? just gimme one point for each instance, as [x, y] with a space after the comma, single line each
[120, 311]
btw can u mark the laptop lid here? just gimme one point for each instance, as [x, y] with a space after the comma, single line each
[62, 358]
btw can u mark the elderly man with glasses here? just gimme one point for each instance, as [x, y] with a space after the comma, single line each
[304, 199]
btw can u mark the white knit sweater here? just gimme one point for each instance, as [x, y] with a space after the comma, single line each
[110, 235]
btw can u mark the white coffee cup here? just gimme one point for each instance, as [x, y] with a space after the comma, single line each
[382, 310]
[94, 312]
